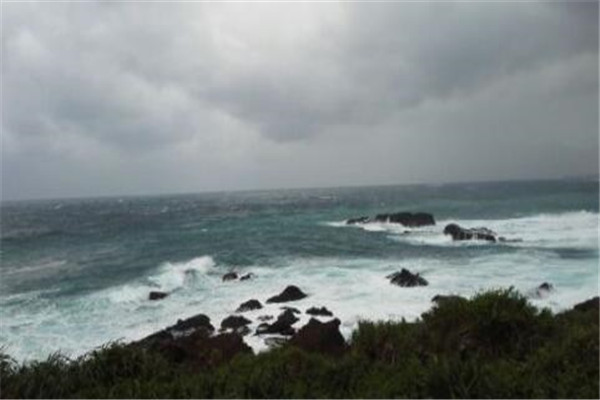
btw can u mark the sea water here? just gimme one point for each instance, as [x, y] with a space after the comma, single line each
[76, 274]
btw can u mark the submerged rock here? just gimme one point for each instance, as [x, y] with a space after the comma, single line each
[321, 337]
[405, 278]
[319, 311]
[359, 220]
[265, 318]
[290, 293]
[459, 233]
[249, 306]
[154, 295]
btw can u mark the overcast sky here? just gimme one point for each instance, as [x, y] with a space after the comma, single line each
[142, 98]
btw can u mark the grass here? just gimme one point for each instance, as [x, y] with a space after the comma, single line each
[494, 345]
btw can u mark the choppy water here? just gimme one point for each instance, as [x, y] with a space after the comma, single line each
[76, 273]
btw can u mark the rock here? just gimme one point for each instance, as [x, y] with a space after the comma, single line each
[591, 304]
[324, 338]
[407, 219]
[157, 295]
[230, 276]
[275, 341]
[544, 289]
[405, 278]
[403, 218]
[282, 326]
[265, 318]
[236, 323]
[460, 233]
[207, 352]
[199, 324]
[292, 309]
[249, 306]
[439, 298]
[319, 311]
[247, 276]
[359, 220]
[290, 293]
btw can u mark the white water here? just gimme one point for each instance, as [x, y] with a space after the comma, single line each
[352, 288]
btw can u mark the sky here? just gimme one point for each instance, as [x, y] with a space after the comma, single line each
[118, 98]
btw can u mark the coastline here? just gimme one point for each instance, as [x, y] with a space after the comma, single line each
[495, 344]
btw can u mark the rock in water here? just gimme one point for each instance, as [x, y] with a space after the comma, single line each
[324, 338]
[290, 293]
[236, 323]
[249, 306]
[319, 311]
[405, 278]
[403, 218]
[199, 324]
[440, 298]
[247, 276]
[157, 295]
[282, 326]
[459, 233]
[407, 219]
[230, 276]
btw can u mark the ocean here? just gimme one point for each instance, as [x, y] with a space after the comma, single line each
[76, 273]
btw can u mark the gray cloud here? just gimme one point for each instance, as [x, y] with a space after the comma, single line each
[104, 98]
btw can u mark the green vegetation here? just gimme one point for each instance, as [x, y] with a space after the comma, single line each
[494, 345]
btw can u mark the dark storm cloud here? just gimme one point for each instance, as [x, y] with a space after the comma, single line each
[129, 97]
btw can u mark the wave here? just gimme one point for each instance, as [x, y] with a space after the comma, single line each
[577, 229]
[27, 234]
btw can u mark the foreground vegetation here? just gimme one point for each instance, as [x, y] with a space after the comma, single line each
[494, 345]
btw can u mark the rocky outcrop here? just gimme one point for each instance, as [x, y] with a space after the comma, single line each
[290, 293]
[184, 327]
[324, 312]
[292, 309]
[459, 233]
[154, 295]
[282, 326]
[324, 338]
[237, 324]
[404, 218]
[405, 278]
[249, 306]
[230, 276]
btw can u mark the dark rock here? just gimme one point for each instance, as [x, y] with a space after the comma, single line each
[359, 220]
[319, 311]
[324, 338]
[459, 233]
[407, 219]
[249, 306]
[247, 276]
[544, 289]
[405, 278]
[265, 318]
[236, 323]
[230, 276]
[157, 295]
[439, 298]
[290, 293]
[292, 309]
[591, 304]
[208, 352]
[282, 326]
[199, 324]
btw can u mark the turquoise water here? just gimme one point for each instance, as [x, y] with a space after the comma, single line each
[76, 273]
